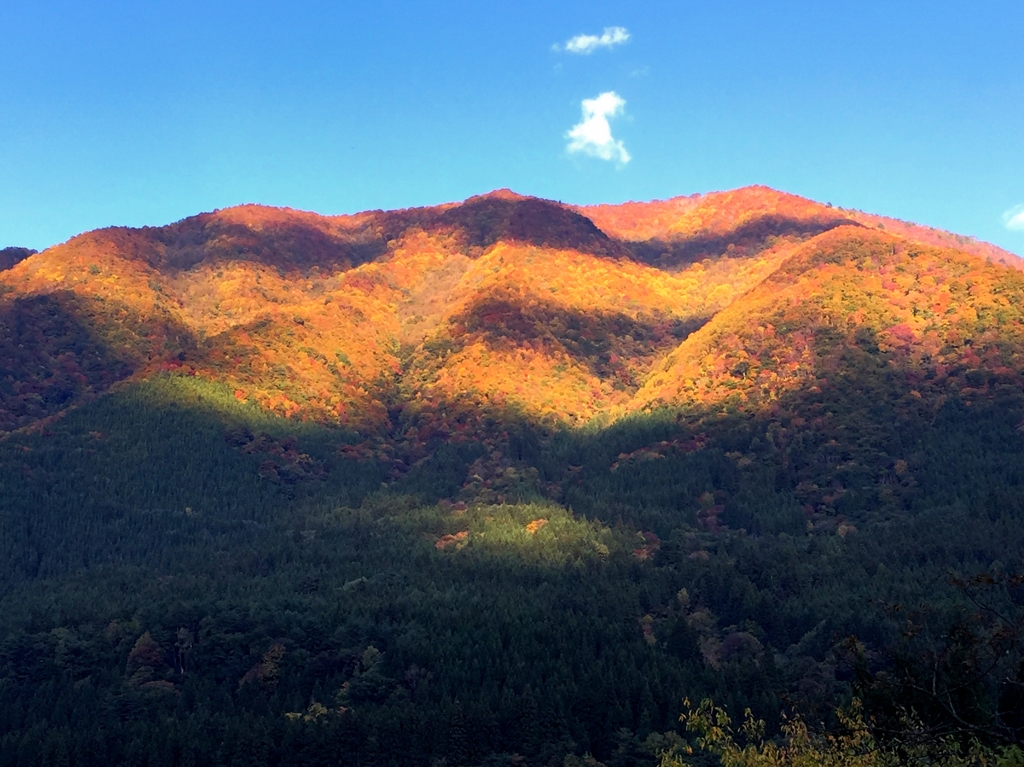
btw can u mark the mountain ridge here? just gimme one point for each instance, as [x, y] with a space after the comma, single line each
[498, 483]
[229, 295]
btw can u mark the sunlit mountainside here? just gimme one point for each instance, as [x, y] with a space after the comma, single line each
[500, 482]
[501, 303]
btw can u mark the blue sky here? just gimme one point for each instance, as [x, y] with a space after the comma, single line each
[144, 112]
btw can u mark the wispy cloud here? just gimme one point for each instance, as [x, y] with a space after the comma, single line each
[593, 135]
[1014, 218]
[587, 44]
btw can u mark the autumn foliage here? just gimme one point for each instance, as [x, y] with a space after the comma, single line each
[422, 320]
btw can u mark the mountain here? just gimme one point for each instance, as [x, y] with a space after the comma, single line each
[501, 481]
[502, 301]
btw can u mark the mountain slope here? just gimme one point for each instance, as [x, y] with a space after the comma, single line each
[464, 324]
[499, 482]
[315, 316]
[686, 228]
[934, 315]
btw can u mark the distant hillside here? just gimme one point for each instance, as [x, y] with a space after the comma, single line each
[500, 302]
[502, 482]
[708, 224]
[453, 325]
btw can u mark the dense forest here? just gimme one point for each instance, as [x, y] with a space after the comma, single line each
[12, 255]
[509, 483]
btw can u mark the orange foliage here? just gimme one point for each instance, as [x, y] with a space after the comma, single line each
[458, 540]
[935, 314]
[717, 213]
[755, 216]
[504, 304]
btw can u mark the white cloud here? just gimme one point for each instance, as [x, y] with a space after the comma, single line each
[586, 44]
[593, 135]
[1014, 218]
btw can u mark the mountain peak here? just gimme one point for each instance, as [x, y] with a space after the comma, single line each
[499, 194]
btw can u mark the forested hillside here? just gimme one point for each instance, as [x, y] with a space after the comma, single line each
[503, 482]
